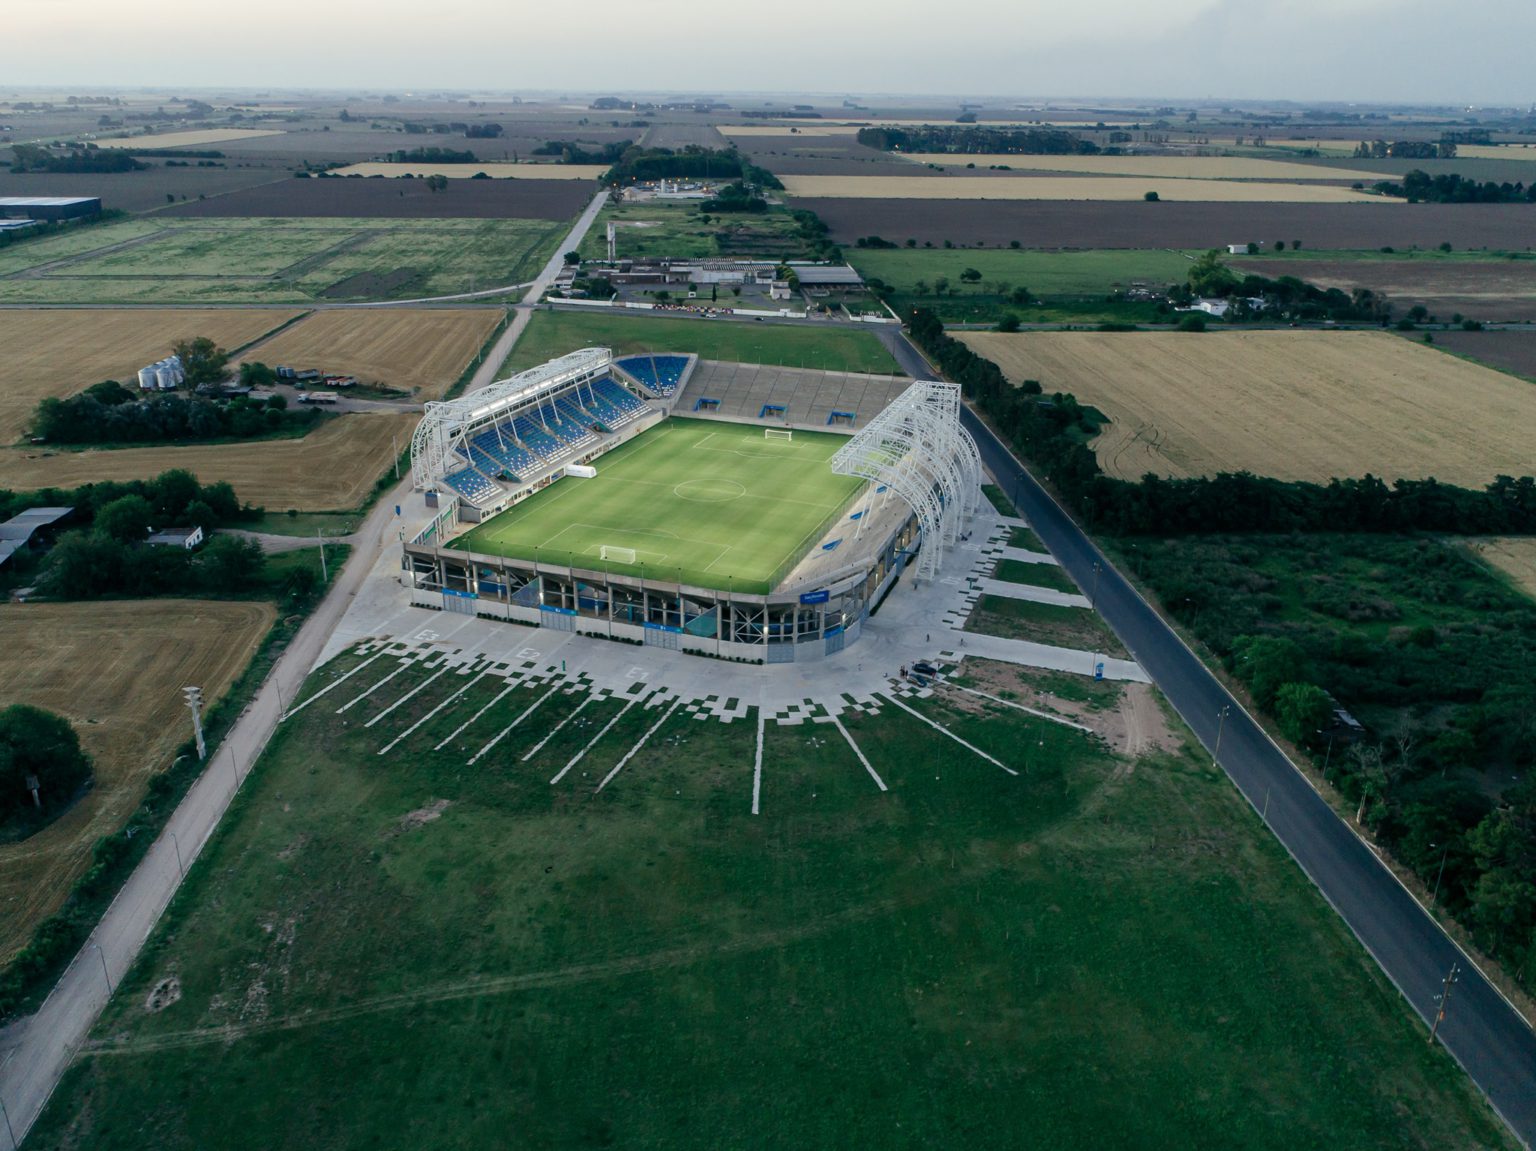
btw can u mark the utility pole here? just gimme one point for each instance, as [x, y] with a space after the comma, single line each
[1440, 874]
[9, 1130]
[195, 702]
[176, 843]
[320, 537]
[1093, 600]
[1221, 726]
[102, 955]
[1444, 999]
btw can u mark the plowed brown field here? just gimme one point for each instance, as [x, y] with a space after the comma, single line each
[421, 350]
[1294, 405]
[115, 671]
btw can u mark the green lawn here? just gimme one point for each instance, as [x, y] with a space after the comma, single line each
[714, 503]
[285, 260]
[676, 228]
[840, 349]
[1037, 575]
[1049, 623]
[1076, 956]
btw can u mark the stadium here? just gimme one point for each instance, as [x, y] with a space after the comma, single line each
[732, 510]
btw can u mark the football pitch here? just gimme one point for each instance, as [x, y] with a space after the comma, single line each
[711, 504]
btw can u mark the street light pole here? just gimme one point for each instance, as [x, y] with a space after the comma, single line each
[102, 955]
[176, 843]
[9, 1130]
[1221, 726]
[1093, 600]
[1440, 874]
[1450, 981]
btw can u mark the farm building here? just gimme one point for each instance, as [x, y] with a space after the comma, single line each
[50, 207]
[184, 538]
[21, 529]
[162, 376]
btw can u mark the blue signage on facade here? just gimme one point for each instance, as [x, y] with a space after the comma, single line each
[821, 596]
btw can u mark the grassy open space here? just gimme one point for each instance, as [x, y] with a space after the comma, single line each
[400, 951]
[1037, 575]
[654, 228]
[554, 333]
[958, 185]
[275, 260]
[1048, 623]
[715, 504]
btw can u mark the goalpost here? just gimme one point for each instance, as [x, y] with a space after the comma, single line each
[778, 434]
[617, 555]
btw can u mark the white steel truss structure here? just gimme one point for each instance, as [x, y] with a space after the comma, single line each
[447, 423]
[917, 448]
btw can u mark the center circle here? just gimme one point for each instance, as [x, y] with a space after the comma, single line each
[709, 491]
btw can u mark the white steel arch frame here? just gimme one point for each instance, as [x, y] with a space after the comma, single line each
[919, 450]
[446, 423]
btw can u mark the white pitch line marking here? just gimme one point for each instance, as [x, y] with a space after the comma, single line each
[628, 755]
[534, 750]
[577, 758]
[873, 774]
[388, 746]
[939, 727]
[419, 687]
[371, 690]
[454, 734]
[1021, 707]
[298, 707]
[757, 766]
[500, 735]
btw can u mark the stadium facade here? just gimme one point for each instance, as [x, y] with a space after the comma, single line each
[480, 455]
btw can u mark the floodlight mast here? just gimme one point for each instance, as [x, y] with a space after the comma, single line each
[918, 449]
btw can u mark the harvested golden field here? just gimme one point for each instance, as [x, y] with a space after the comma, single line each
[1171, 167]
[421, 350]
[1295, 405]
[1515, 556]
[57, 352]
[467, 171]
[114, 670]
[1071, 188]
[187, 139]
[1496, 151]
[331, 469]
[748, 131]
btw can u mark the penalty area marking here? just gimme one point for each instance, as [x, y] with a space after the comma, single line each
[296, 708]
[628, 755]
[939, 727]
[873, 774]
[500, 735]
[536, 748]
[420, 687]
[456, 695]
[580, 755]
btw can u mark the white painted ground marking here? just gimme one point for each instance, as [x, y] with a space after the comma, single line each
[419, 687]
[757, 766]
[298, 707]
[637, 673]
[939, 727]
[1021, 707]
[535, 749]
[580, 755]
[371, 690]
[390, 745]
[454, 734]
[873, 774]
[500, 735]
[528, 653]
[628, 755]
[426, 635]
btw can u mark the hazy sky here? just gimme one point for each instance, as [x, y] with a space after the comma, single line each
[1474, 52]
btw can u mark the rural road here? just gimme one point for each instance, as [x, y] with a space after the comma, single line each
[39, 1049]
[1482, 1031]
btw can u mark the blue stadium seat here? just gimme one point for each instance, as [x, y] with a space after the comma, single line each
[471, 485]
[658, 373]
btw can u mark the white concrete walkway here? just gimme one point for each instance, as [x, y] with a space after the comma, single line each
[1009, 590]
[1024, 556]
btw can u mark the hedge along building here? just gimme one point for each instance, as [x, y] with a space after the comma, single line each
[484, 454]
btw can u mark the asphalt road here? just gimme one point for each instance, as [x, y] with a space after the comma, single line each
[1484, 1033]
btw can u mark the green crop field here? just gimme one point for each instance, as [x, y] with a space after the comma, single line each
[834, 349]
[715, 504]
[677, 229]
[435, 947]
[287, 260]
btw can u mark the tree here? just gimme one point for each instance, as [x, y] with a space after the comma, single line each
[1303, 709]
[109, 393]
[202, 361]
[437, 183]
[255, 374]
[970, 276]
[126, 519]
[572, 257]
[940, 285]
[1192, 323]
[1151, 197]
[36, 744]
[1266, 664]
[231, 563]
[1009, 323]
[1208, 276]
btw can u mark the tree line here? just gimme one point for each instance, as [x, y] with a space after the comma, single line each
[36, 158]
[1452, 188]
[109, 413]
[977, 140]
[691, 163]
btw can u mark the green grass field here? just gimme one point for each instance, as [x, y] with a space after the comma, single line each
[274, 261]
[715, 504]
[677, 229]
[835, 349]
[404, 951]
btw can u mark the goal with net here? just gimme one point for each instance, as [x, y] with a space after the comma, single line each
[778, 434]
[617, 555]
